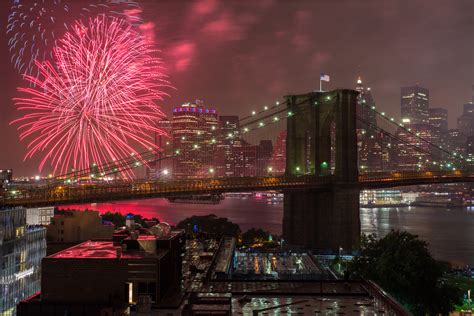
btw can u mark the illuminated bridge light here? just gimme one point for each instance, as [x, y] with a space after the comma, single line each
[213, 140]
[211, 170]
[165, 172]
[275, 118]
[167, 143]
[297, 169]
[183, 138]
[392, 119]
[246, 130]
[328, 98]
[277, 103]
[265, 108]
[177, 151]
[383, 113]
[261, 124]
[195, 146]
[253, 112]
[229, 135]
[290, 113]
[213, 128]
[315, 102]
[373, 108]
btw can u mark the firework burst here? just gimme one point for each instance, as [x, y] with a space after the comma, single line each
[98, 102]
[34, 27]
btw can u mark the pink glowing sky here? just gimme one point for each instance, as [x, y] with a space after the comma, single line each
[240, 55]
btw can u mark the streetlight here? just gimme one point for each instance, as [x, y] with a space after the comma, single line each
[166, 172]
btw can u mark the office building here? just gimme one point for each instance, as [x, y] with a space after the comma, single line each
[438, 120]
[194, 131]
[466, 120]
[278, 160]
[365, 103]
[414, 103]
[22, 247]
[228, 141]
[106, 277]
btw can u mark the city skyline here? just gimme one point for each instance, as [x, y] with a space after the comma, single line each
[284, 50]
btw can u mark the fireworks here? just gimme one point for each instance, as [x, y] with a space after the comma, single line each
[99, 100]
[33, 28]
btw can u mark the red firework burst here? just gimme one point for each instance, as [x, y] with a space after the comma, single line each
[98, 102]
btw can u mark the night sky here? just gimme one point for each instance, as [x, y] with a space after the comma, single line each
[241, 55]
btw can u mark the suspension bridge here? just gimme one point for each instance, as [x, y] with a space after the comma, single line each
[321, 181]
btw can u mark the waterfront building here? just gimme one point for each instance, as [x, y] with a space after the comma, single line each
[193, 129]
[22, 247]
[414, 104]
[106, 277]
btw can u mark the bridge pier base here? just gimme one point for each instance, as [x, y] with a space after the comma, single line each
[323, 220]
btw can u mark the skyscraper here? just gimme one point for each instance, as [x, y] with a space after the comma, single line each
[438, 120]
[278, 160]
[365, 102]
[369, 141]
[414, 103]
[194, 131]
[466, 120]
[228, 140]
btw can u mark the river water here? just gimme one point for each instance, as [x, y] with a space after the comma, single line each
[449, 232]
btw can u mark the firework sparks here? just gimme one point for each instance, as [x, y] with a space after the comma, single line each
[99, 100]
[33, 28]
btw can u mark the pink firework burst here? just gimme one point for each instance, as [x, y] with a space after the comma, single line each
[98, 103]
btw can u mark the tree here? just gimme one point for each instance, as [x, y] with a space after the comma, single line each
[209, 224]
[253, 236]
[403, 266]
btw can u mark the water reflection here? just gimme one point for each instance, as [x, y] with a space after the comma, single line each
[449, 232]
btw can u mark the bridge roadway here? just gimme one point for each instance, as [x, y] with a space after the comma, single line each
[82, 193]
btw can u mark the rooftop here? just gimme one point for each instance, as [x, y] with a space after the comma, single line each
[103, 250]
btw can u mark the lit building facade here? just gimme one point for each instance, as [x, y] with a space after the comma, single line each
[229, 142]
[369, 140]
[414, 103]
[22, 247]
[278, 161]
[194, 131]
[39, 215]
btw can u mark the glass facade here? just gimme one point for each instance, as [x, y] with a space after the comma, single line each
[22, 247]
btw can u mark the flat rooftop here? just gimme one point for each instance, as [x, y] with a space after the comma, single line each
[103, 250]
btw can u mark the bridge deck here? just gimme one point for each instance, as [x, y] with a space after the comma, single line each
[81, 193]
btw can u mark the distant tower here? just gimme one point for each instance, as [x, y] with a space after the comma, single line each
[414, 103]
